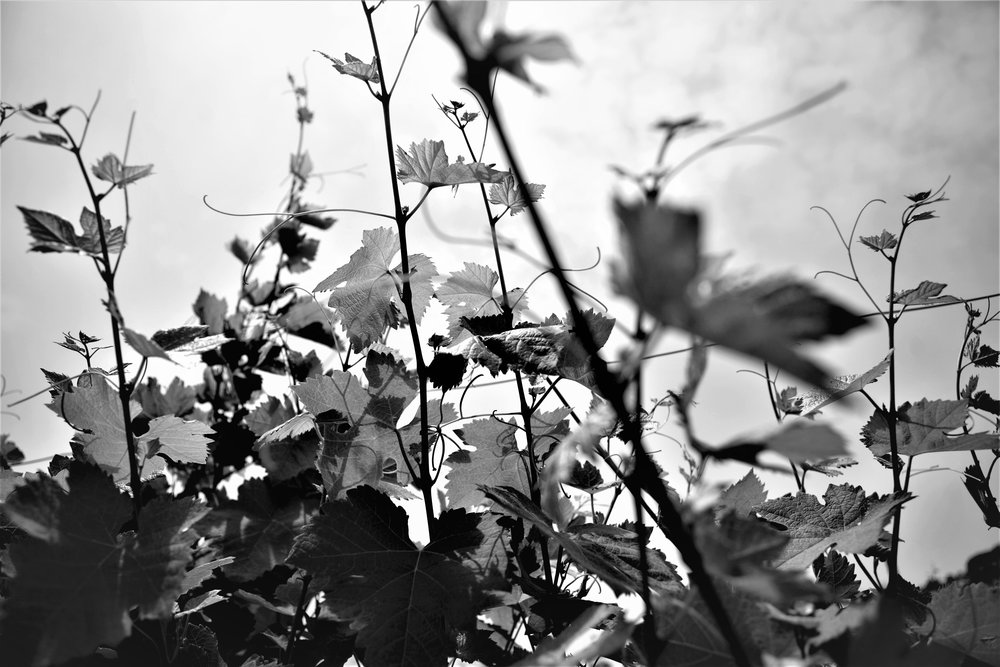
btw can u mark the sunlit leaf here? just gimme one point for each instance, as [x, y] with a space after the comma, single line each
[925, 293]
[923, 427]
[848, 519]
[75, 587]
[367, 292]
[506, 193]
[884, 241]
[355, 67]
[470, 293]
[408, 605]
[111, 169]
[427, 163]
[839, 387]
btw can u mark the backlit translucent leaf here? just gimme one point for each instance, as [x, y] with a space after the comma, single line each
[743, 496]
[506, 193]
[738, 550]
[837, 388]
[470, 293]
[836, 571]
[923, 427]
[111, 169]
[408, 605]
[143, 345]
[848, 520]
[925, 293]
[181, 441]
[884, 241]
[495, 461]
[46, 138]
[75, 588]
[510, 51]
[355, 67]
[427, 163]
[799, 440]
[967, 619]
[90, 241]
[256, 529]
[178, 337]
[176, 399]
[50, 233]
[308, 319]
[211, 311]
[366, 295]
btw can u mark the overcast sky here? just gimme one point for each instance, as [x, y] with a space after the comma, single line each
[216, 118]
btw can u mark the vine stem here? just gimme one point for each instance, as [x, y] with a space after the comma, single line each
[643, 476]
[108, 276]
[426, 481]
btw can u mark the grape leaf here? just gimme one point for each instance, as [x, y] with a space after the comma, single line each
[549, 348]
[408, 605]
[50, 233]
[839, 387]
[506, 193]
[46, 138]
[181, 441]
[799, 440]
[74, 589]
[834, 570]
[355, 67]
[925, 293]
[144, 346]
[177, 399]
[427, 163]
[495, 461]
[660, 253]
[764, 319]
[255, 529]
[737, 551]
[308, 319]
[365, 292]
[10, 453]
[510, 51]
[922, 427]
[469, 293]
[90, 241]
[884, 241]
[111, 169]
[968, 619]
[848, 520]
[178, 337]
[95, 411]
[743, 496]
[211, 311]
[985, 357]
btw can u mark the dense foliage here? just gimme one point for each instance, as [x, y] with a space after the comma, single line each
[131, 551]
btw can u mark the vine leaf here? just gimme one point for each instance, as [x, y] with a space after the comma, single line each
[211, 311]
[503, 50]
[968, 615]
[287, 442]
[840, 387]
[663, 273]
[365, 290]
[743, 496]
[76, 585]
[495, 461]
[834, 570]
[355, 67]
[884, 241]
[470, 293]
[923, 427]
[50, 233]
[506, 193]
[985, 357]
[549, 348]
[111, 169]
[95, 411]
[737, 550]
[257, 530]
[427, 163]
[848, 520]
[408, 605]
[798, 440]
[308, 319]
[926, 293]
[143, 345]
[613, 560]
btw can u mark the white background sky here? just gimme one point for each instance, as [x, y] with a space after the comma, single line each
[215, 117]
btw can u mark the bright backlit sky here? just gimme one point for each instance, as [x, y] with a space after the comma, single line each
[216, 118]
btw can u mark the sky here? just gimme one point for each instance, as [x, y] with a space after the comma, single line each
[215, 116]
